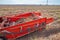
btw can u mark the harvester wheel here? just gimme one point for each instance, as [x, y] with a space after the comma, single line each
[2, 38]
[42, 26]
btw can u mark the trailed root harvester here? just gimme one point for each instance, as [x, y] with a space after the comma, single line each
[12, 27]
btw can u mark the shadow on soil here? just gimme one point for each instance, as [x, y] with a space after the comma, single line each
[38, 34]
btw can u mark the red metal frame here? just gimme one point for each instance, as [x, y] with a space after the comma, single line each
[20, 30]
[16, 17]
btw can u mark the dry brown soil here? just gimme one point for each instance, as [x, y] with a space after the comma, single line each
[52, 31]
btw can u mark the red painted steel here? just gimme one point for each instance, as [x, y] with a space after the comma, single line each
[20, 30]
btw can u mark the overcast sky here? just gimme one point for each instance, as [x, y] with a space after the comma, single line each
[35, 2]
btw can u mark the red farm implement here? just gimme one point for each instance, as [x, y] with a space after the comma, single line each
[12, 27]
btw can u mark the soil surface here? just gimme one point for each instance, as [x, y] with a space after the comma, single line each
[52, 31]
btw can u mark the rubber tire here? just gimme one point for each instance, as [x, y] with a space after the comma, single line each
[3, 38]
[42, 25]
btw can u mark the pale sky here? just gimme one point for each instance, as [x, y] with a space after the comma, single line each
[35, 2]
